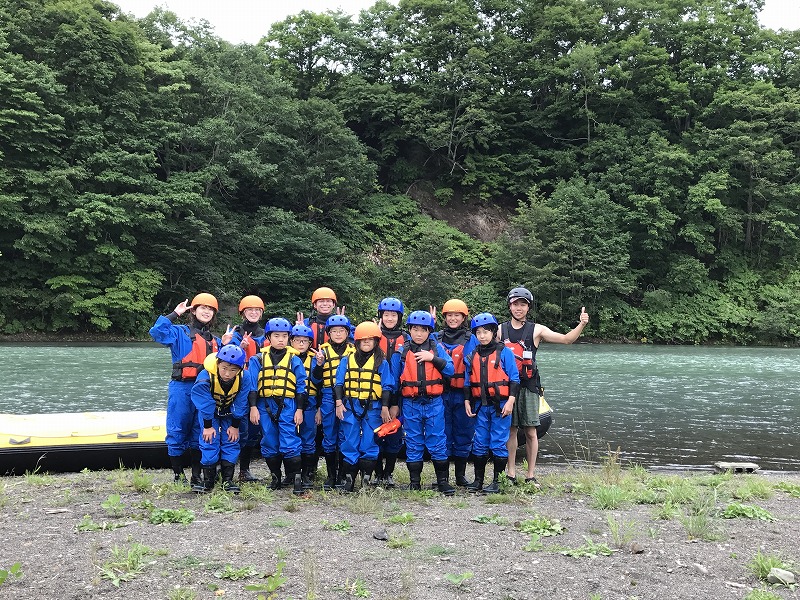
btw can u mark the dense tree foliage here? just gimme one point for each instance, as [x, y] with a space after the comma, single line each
[651, 148]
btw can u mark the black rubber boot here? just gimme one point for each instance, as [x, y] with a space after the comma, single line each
[388, 470]
[309, 468]
[228, 485]
[177, 469]
[367, 466]
[332, 463]
[480, 474]
[245, 456]
[499, 467]
[274, 464]
[196, 456]
[461, 471]
[347, 477]
[293, 467]
[378, 478]
[414, 475]
[442, 468]
[207, 483]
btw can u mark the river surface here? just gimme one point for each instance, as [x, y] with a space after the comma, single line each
[663, 406]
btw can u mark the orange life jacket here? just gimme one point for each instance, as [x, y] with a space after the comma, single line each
[457, 378]
[190, 365]
[487, 379]
[390, 345]
[421, 379]
[525, 366]
[320, 334]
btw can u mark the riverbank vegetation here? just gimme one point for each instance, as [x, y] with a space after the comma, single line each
[638, 158]
[585, 533]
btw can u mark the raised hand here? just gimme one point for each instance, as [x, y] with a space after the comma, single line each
[228, 335]
[300, 318]
[247, 339]
[340, 310]
[584, 318]
[182, 307]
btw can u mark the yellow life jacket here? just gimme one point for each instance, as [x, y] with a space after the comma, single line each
[311, 387]
[332, 361]
[223, 399]
[363, 383]
[277, 381]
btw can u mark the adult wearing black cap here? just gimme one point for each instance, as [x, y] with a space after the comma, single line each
[524, 337]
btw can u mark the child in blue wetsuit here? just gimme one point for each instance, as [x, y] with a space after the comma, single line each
[190, 345]
[220, 396]
[277, 400]
[362, 393]
[457, 339]
[301, 339]
[250, 337]
[329, 355]
[491, 386]
[422, 367]
[390, 315]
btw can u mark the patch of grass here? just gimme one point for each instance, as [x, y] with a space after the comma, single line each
[258, 492]
[793, 489]
[343, 525]
[232, 573]
[701, 527]
[88, 524]
[280, 522]
[310, 573]
[401, 540]
[171, 515]
[357, 589]
[142, 481]
[535, 544]
[460, 579]
[125, 564]
[490, 520]
[180, 593]
[716, 481]
[422, 496]
[746, 511]
[401, 519]
[219, 502]
[645, 496]
[113, 505]
[611, 469]
[666, 511]
[752, 487]
[622, 531]
[590, 549]
[367, 501]
[761, 595]
[541, 526]
[439, 550]
[273, 581]
[292, 506]
[14, 571]
[37, 478]
[761, 564]
[679, 491]
[501, 498]
[608, 497]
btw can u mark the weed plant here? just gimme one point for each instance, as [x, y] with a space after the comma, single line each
[608, 497]
[701, 527]
[88, 524]
[125, 564]
[219, 502]
[401, 540]
[232, 573]
[257, 492]
[180, 593]
[752, 487]
[14, 571]
[401, 519]
[623, 532]
[746, 511]
[590, 549]
[460, 579]
[113, 505]
[343, 525]
[490, 520]
[762, 564]
[171, 515]
[793, 489]
[761, 595]
[541, 526]
[142, 481]
[666, 511]
[439, 550]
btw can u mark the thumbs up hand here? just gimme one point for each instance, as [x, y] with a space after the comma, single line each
[584, 318]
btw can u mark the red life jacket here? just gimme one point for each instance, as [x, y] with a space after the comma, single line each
[487, 379]
[190, 365]
[390, 345]
[457, 378]
[525, 366]
[421, 379]
[320, 334]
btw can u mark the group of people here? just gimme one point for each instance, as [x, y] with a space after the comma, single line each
[353, 394]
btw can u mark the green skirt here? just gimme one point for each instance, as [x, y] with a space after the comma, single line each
[526, 409]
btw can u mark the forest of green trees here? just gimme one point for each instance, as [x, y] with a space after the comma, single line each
[638, 157]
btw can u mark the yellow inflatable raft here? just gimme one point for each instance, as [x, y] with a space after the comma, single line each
[75, 441]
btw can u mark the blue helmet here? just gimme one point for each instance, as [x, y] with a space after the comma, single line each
[278, 324]
[483, 320]
[421, 317]
[231, 353]
[337, 321]
[301, 330]
[390, 304]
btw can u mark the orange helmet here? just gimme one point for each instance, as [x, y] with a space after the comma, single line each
[456, 306]
[367, 329]
[322, 293]
[251, 302]
[206, 300]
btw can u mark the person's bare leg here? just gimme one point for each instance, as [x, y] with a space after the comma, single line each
[531, 449]
[511, 445]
